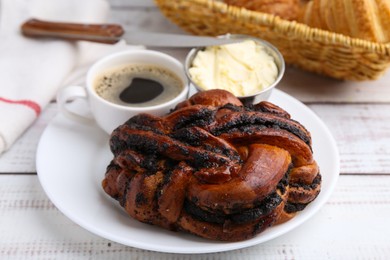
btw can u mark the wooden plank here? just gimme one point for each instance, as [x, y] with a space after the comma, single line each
[352, 224]
[309, 87]
[362, 133]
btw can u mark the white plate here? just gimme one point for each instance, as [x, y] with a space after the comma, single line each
[71, 162]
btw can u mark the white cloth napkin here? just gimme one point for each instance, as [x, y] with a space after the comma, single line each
[31, 70]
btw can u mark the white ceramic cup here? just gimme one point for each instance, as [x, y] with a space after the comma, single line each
[110, 115]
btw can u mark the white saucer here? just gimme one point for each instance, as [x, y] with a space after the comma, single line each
[71, 162]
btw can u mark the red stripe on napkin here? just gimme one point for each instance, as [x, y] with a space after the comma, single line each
[28, 103]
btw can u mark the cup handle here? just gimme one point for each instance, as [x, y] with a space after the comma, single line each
[69, 94]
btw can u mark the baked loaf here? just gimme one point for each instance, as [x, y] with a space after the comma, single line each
[286, 9]
[364, 19]
[213, 167]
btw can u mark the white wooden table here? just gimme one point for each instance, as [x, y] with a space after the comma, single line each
[353, 224]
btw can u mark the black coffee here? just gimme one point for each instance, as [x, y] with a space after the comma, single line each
[138, 85]
[141, 90]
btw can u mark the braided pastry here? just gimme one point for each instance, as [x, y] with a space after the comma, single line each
[213, 167]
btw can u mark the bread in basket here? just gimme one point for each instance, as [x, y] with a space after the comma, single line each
[316, 50]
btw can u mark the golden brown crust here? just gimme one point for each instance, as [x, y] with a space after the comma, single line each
[229, 231]
[214, 97]
[257, 178]
[364, 19]
[304, 174]
[286, 9]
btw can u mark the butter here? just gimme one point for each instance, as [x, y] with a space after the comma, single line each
[243, 68]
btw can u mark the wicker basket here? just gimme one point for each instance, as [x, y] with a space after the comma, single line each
[315, 50]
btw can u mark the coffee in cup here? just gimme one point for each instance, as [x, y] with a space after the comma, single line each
[139, 85]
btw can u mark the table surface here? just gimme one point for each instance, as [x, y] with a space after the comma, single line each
[352, 224]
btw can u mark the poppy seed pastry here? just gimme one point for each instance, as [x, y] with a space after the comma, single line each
[213, 167]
